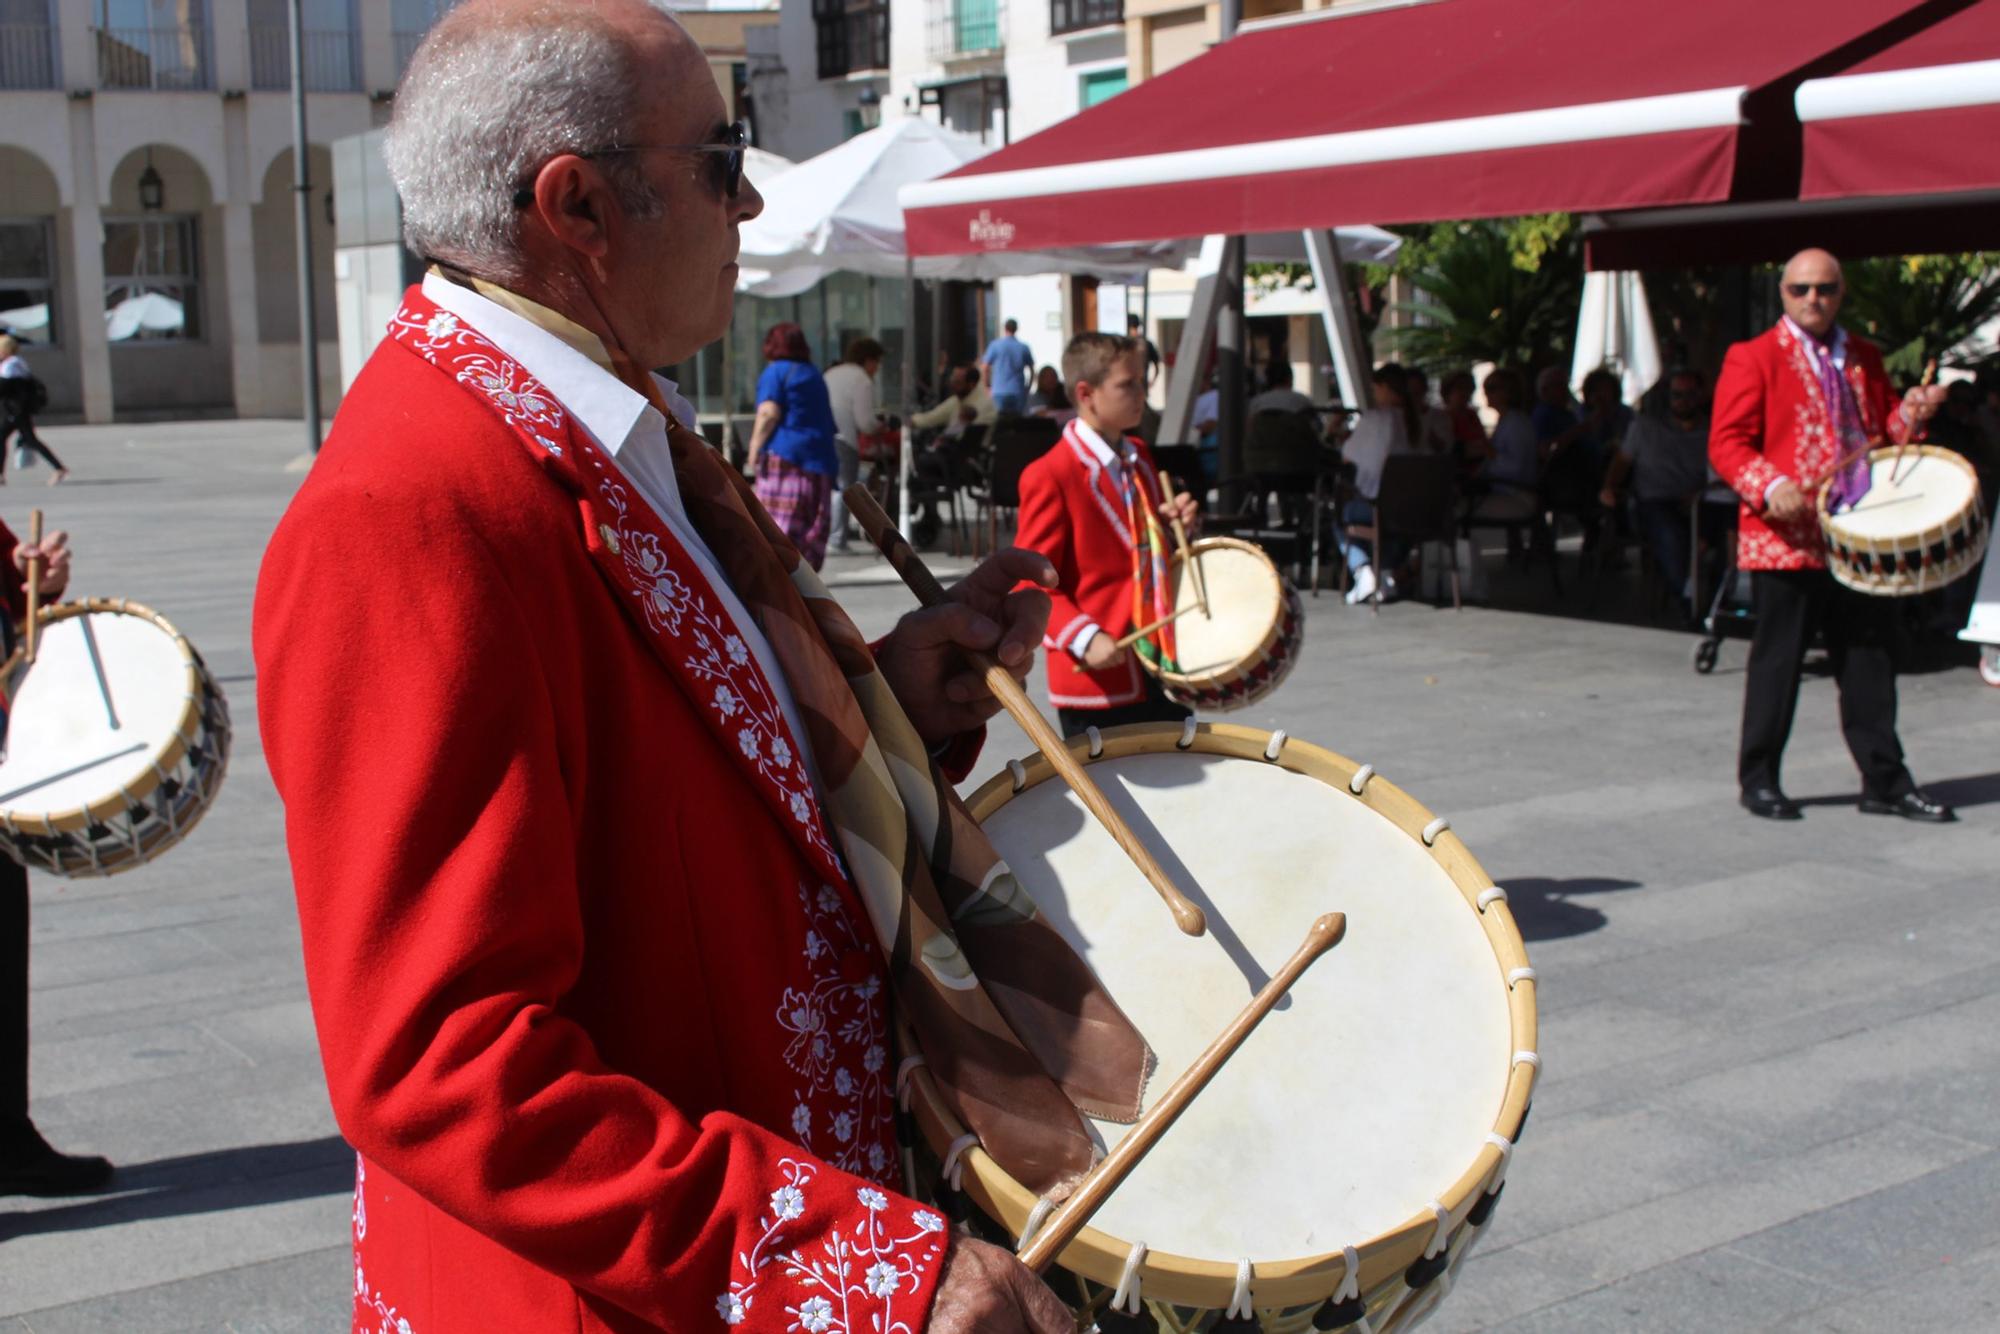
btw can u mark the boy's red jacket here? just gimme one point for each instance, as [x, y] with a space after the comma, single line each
[1073, 513]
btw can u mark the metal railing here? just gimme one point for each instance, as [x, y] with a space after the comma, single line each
[961, 28]
[27, 55]
[168, 59]
[330, 64]
[1077, 15]
[851, 35]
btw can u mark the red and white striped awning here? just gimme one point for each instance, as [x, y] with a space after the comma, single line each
[1921, 118]
[1468, 108]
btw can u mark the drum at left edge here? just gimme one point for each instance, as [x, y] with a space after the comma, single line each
[117, 740]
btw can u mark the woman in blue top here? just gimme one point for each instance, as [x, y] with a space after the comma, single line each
[792, 456]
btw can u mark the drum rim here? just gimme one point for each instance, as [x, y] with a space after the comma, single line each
[1228, 676]
[1899, 583]
[188, 725]
[1300, 1280]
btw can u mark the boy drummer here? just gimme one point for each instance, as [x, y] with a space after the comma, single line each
[1093, 505]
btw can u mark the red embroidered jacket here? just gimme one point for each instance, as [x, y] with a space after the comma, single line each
[1073, 513]
[1771, 421]
[13, 583]
[598, 1012]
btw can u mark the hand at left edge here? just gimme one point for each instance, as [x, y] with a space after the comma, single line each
[54, 553]
[924, 657]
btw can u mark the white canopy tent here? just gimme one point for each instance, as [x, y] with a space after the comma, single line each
[839, 212]
[1614, 329]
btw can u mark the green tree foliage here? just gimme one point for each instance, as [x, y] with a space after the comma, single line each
[1924, 307]
[1502, 290]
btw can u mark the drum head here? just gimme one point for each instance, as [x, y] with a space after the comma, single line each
[1926, 490]
[107, 697]
[1370, 1092]
[1246, 600]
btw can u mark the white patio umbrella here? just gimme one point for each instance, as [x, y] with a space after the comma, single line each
[148, 312]
[1614, 328]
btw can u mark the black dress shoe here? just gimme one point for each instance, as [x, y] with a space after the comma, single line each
[29, 1166]
[1912, 805]
[1771, 804]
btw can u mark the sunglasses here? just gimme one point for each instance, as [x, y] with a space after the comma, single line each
[725, 161]
[1798, 291]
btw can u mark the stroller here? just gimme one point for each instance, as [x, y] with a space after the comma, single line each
[1729, 615]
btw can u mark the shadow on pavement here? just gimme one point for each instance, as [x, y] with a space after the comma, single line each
[1546, 909]
[200, 1183]
[1973, 790]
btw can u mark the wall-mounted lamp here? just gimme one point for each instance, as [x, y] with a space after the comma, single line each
[329, 208]
[152, 188]
[233, 94]
[870, 99]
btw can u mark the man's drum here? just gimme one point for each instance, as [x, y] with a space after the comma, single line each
[1346, 1159]
[116, 742]
[1237, 651]
[1921, 525]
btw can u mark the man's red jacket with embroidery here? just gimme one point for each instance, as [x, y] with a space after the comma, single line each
[1771, 421]
[612, 1053]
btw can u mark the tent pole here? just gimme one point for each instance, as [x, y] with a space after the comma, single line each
[903, 460]
[1229, 370]
[1184, 381]
[1343, 330]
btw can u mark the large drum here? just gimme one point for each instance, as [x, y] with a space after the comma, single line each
[116, 742]
[1345, 1160]
[1242, 647]
[1921, 525]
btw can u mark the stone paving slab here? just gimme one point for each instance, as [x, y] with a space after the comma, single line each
[1771, 1050]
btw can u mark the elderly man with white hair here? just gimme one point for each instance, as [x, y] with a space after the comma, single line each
[611, 837]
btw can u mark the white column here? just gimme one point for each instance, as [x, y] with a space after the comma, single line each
[239, 264]
[86, 245]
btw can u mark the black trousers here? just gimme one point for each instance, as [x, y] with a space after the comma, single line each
[1860, 632]
[12, 419]
[13, 994]
[1155, 708]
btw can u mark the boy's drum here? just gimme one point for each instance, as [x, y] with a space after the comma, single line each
[1921, 525]
[116, 742]
[1243, 646]
[1343, 1162]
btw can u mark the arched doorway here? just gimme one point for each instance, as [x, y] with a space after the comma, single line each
[164, 302]
[275, 241]
[35, 302]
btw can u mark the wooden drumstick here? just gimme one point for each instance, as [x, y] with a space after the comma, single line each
[904, 559]
[1074, 1213]
[1145, 630]
[1187, 555]
[34, 587]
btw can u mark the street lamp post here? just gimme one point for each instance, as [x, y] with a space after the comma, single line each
[302, 201]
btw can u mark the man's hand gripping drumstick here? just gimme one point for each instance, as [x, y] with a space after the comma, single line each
[861, 504]
[1071, 1216]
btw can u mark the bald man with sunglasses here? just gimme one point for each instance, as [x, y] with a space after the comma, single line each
[1792, 406]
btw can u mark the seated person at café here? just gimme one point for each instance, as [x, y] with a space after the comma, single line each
[1507, 481]
[1385, 429]
[942, 448]
[1279, 396]
[1665, 461]
[1468, 433]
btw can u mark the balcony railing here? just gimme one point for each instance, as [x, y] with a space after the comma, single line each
[1078, 15]
[168, 59]
[27, 55]
[852, 35]
[962, 28]
[330, 66]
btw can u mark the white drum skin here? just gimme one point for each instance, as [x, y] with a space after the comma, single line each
[1921, 525]
[1378, 1089]
[1244, 645]
[117, 742]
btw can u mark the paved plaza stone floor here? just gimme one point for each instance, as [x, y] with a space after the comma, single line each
[1772, 1088]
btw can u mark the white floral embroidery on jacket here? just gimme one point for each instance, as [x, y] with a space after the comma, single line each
[369, 1304]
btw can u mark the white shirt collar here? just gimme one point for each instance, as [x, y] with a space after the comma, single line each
[1098, 448]
[604, 405]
